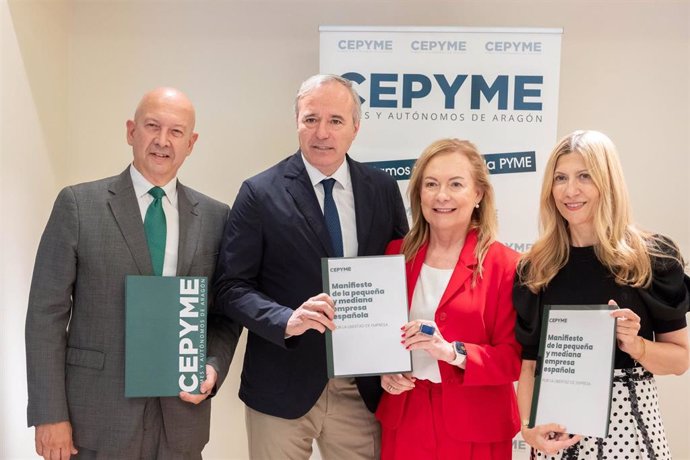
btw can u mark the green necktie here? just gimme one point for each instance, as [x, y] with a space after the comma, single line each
[156, 231]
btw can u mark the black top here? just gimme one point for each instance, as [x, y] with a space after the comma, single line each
[585, 280]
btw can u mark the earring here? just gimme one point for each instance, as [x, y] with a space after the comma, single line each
[476, 205]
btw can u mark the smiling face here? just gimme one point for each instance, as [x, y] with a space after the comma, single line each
[325, 126]
[449, 193]
[162, 134]
[576, 197]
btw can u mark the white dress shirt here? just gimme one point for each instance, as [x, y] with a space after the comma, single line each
[344, 200]
[431, 285]
[172, 218]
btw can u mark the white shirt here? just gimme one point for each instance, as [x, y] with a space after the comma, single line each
[344, 200]
[431, 285]
[172, 218]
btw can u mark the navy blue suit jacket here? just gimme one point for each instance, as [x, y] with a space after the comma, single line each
[270, 263]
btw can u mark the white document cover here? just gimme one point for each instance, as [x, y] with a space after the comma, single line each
[371, 307]
[575, 369]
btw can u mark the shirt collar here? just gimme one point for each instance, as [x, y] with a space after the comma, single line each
[341, 175]
[142, 186]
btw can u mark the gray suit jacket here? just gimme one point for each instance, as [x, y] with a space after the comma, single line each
[75, 320]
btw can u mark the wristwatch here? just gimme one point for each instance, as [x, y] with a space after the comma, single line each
[460, 354]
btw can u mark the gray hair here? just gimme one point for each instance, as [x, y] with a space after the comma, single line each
[315, 81]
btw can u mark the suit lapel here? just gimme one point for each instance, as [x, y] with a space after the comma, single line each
[363, 191]
[463, 269]
[190, 225]
[301, 190]
[461, 273]
[414, 267]
[125, 208]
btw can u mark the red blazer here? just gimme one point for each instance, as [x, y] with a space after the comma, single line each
[479, 403]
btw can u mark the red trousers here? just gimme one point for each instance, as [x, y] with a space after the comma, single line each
[421, 433]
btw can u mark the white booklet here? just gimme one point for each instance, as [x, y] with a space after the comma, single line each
[371, 306]
[574, 374]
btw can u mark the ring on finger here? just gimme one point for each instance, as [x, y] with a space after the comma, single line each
[427, 329]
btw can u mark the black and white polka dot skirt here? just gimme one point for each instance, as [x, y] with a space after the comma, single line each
[636, 431]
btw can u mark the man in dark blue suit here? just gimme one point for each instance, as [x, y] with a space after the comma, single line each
[270, 280]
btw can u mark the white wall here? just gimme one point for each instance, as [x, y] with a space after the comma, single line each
[32, 141]
[72, 72]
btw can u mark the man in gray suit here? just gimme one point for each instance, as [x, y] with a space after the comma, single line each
[75, 321]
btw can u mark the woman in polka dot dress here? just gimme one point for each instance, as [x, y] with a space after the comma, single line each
[589, 252]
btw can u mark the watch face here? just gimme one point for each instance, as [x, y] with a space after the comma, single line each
[460, 348]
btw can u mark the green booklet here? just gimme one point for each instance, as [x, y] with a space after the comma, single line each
[165, 338]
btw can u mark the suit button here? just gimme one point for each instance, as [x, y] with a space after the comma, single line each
[442, 316]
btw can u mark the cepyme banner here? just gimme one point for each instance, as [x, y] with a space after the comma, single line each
[496, 87]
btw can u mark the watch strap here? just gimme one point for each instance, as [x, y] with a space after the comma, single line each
[460, 354]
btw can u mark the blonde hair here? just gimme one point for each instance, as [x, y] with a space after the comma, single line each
[483, 218]
[621, 247]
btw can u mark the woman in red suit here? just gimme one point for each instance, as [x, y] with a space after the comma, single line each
[459, 401]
